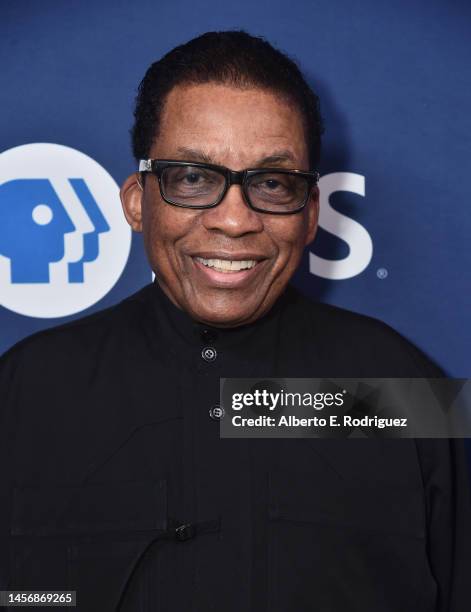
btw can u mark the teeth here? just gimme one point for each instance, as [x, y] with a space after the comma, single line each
[227, 265]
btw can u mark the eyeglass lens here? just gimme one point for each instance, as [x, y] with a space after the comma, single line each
[270, 191]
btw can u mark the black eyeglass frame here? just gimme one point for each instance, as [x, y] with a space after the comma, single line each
[233, 177]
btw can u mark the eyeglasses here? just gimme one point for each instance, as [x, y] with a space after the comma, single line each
[198, 185]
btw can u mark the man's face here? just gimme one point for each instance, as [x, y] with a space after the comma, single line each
[239, 129]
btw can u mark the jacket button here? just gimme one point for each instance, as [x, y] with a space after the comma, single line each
[216, 412]
[209, 354]
[185, 532]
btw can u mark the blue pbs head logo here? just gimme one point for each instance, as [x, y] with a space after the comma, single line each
[64, 241]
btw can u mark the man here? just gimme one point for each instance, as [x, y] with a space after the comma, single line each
[117, 482]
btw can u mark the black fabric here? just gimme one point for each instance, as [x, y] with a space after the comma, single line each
[115, 482]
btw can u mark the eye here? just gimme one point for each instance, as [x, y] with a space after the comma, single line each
[192, 177]
[182, 183]
[272, 184]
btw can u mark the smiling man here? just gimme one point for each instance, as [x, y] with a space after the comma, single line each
[116, 481]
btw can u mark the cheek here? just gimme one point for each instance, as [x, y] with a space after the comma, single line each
[289, 236]
[158, 225]
[153, 229]
[164, 228]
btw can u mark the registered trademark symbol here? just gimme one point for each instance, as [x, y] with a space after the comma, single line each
[381, 273]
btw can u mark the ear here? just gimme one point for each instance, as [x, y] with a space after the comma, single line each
[131, 194]
[312, 215]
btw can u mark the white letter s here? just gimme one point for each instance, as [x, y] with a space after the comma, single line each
[354, 234]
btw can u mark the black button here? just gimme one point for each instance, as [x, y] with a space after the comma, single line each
[208, 336]
[209, 354]
[185, 532]
[216, 412]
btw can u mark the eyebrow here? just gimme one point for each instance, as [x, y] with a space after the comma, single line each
[200, 156]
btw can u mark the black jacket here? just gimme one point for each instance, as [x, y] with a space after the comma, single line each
[116, 483]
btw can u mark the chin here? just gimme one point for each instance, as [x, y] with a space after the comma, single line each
[222, 310]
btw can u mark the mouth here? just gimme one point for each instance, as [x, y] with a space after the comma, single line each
[227, 271]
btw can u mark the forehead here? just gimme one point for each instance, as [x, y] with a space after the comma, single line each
[230, 125]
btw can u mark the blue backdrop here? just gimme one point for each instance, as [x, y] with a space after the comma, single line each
[395, 88]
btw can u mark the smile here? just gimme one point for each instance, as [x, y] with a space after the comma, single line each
[228, 271]
[227, 265]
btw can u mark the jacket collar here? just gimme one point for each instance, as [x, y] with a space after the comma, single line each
[179, 324]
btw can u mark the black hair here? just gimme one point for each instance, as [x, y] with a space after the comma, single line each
[232, 57]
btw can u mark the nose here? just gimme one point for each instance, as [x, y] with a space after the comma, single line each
[232, 216]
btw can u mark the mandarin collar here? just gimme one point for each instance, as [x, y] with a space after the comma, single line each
[193, 332]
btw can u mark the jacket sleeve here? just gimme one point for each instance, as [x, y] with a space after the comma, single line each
[446, 480]
[9, 390]
[448, 508]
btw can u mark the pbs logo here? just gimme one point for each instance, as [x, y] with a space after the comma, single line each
[64, 241]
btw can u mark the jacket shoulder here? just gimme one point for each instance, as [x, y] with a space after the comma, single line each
[80, 336]
[374, 347]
